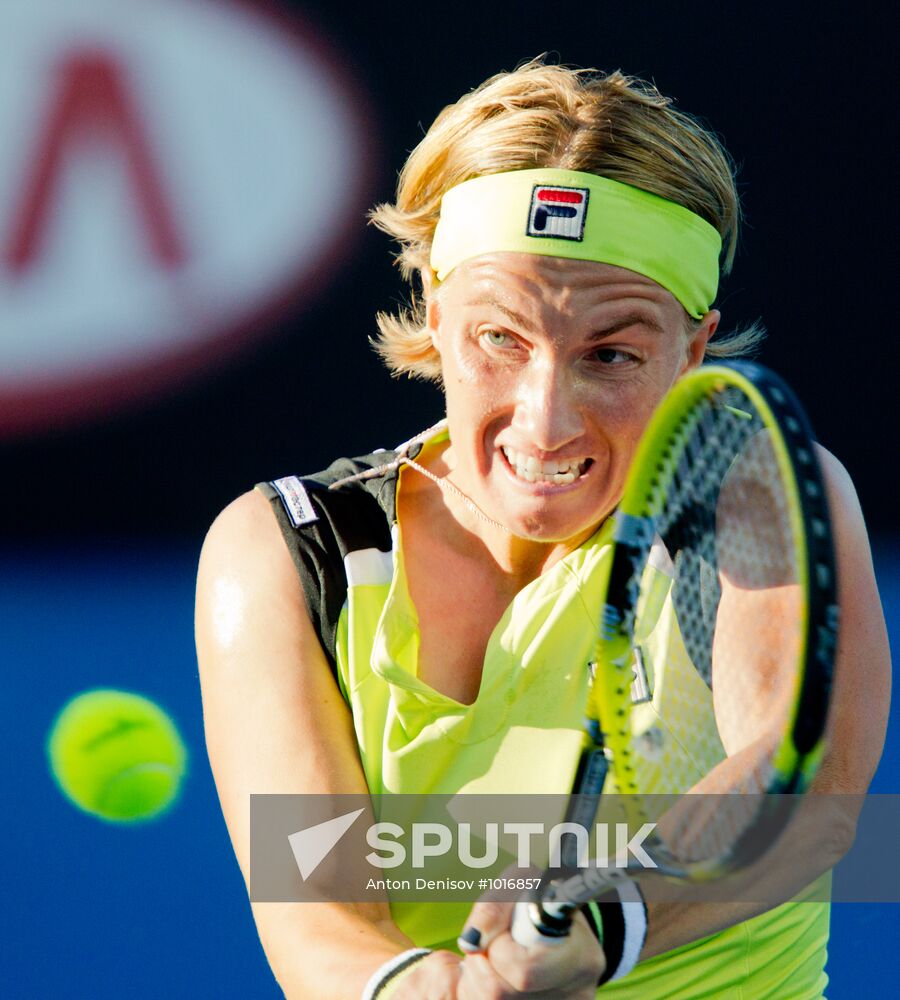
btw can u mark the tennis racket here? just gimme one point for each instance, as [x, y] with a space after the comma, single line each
[725, 503]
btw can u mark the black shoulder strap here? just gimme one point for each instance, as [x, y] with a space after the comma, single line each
[320, 526]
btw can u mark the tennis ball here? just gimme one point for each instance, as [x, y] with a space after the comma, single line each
[117, 755]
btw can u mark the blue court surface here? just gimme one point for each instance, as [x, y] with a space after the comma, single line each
[99, 911]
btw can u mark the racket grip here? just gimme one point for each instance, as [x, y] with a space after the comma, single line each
[533, 925]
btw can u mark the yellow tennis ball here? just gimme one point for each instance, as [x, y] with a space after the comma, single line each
[117, 755]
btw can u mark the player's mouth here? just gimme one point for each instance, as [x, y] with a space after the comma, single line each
[554, 473]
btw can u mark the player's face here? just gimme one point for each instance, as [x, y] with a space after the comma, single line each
[551, 370]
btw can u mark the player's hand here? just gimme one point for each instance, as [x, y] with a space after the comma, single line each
[568, 970]
[434, 978]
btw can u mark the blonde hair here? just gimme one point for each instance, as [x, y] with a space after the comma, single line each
[552, 116]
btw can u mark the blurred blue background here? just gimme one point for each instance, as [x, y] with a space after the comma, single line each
[107, 493]
[100, 911]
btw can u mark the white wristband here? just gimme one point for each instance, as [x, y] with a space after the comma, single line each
[634, 912]
[392, 968]
[619, 919]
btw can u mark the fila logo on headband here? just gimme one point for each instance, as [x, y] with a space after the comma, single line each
[558, 212]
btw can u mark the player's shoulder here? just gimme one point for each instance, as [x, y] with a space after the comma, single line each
[833, 469]
[349, 497]
[842, 497]
[247, 514]
[248, 518]
[851, 537]
[244, 535]
[283, 524]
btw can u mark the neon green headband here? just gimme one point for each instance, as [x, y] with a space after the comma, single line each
[566, 213]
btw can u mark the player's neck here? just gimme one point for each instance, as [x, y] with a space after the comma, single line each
[434, 501]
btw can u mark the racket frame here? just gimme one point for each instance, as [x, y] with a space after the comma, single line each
[607, 735]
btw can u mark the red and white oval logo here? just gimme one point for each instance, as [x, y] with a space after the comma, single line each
[170, 170]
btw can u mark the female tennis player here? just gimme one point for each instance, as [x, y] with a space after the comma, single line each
[411, 630]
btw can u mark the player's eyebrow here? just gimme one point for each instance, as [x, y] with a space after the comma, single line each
[516, 317]
[634, 318]
[644, 319]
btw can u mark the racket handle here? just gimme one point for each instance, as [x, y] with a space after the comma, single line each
[619, 923]
[534, 924]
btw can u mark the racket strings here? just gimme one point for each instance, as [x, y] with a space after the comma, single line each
[688, 527]
[723, 511]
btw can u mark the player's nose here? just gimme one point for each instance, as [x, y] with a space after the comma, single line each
[547, 408]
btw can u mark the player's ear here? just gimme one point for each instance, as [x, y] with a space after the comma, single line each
[429, 280]
[697, 339]
[432, 308]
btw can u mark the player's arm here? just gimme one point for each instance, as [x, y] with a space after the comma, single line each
[855, 736]
[823, 830]
[275, 722]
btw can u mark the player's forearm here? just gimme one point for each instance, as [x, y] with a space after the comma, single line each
[325, 951]
[816, 839]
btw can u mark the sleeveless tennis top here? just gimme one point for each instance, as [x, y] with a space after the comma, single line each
[522, 734]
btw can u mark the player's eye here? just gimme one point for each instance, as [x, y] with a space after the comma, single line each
[612, 357]
[497, 338]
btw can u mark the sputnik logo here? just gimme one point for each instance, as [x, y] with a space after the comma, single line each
[312, 845]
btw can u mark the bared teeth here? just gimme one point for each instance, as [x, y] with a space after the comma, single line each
[532, 470]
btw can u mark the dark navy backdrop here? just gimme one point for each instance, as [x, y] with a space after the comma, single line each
[797, 91]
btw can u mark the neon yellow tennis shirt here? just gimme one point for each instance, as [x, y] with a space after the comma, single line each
[522, 735]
